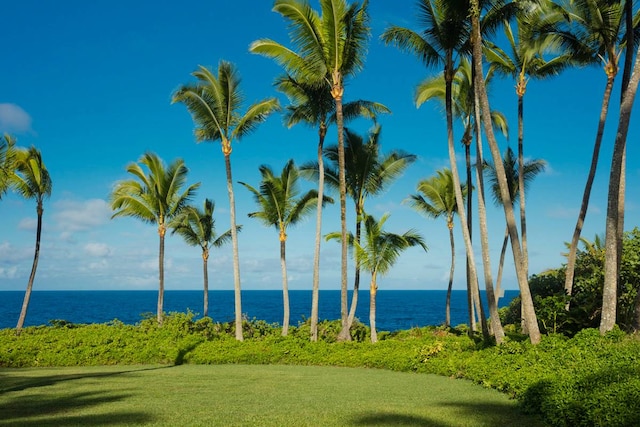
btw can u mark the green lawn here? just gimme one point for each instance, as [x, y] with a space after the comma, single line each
[239, 395]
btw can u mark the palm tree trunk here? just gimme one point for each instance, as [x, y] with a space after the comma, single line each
[523, 217]
[475, 295]
[451, 271]
[372, 308]
[523, 282]
[458, 190]
[234, 244]
[503, 252]
[575, 239]
[32, 276]
[315, 293]
[285, 285]
[205, 275]
[160, 309]
[337, 93]
[492, 301]
[609, 291]
[356, 282]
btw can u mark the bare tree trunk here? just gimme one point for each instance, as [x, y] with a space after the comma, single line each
[32, 276]
[523, 216]
[575, 239]
[503, 252]
[609, 291]
[315, 294]
[492, 301]
[372, 308]
[160, 311]
[285, 283]
[337, 92]
[205, 274]
[226, 149]
[523, 282]
[356, 282]
[451, 271]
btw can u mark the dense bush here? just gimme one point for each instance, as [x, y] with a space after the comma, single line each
[586, 380]
[550, 298]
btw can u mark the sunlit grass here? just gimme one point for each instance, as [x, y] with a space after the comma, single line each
[239, 395]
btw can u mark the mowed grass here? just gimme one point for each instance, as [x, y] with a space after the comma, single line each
[240, 395]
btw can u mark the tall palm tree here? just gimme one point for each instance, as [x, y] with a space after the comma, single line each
[31, 180]
[214, 102]
[313, 105]
[590, 30]
[436, 198]
[484, 109]
[367, 173]
[155, 196]
[446, 33]
[282, 205]
[530, 58]
[330, 47]
[378, 253]
[511, 164]
[464, 109]
[7, 162]
[198, 228]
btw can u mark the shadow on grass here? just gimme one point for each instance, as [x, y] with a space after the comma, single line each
[57, 409]
[476, 414]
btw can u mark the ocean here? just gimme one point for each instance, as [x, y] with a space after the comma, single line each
[396, 310]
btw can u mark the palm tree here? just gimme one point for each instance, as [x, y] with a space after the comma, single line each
[484, 109]
[368, 173]
[446, 33]
[511, 166]
[214, 103]
[591, 31]
[154, 196]
[198, 228]
[31, 180]
[377, 255]
[7, 162]
[313, 105]
[330, 47]
[436, 198]
[464, 107]
[529, 59]
[281, 205]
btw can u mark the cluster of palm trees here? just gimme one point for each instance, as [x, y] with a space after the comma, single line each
[23, 171]
[328, 45]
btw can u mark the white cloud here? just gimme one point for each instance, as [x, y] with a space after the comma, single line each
[14, 119]
[97, 249]
[9, 273]
[29, 224]
[74, 215]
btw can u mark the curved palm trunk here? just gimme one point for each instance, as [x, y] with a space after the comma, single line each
[315, 294]
[451, 271]
[473, 295]
[575, 239]
[32, 276]
[492, 301]
[372, 308]
[285, 284]
[356, 281]
[226, 149]
[503, 252]
[458, 190]
[337, 92]
[160, 310]
[523, 217]
[609, 291]
[205, 275]
[523, 281]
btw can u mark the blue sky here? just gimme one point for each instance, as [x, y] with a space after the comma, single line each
[89, 84]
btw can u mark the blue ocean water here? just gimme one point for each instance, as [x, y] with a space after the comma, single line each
[396, 310]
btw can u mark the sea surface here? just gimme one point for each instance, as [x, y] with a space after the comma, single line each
[396, 310]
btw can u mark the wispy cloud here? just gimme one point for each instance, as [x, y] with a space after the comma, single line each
[99, 250]
[73, 216]
[14, 119]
